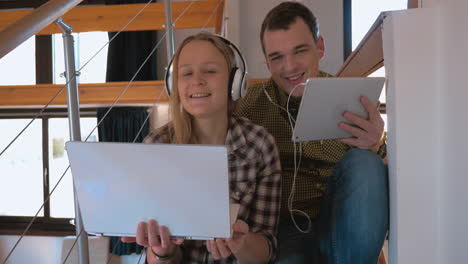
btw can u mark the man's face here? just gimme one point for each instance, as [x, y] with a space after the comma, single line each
[292, 56]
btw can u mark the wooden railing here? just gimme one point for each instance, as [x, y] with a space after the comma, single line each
[91, 95]
[368, 55]
[111, 18]
[16, 31]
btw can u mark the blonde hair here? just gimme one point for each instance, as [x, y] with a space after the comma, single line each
[181, 126]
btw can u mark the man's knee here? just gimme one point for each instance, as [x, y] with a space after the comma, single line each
[361, 166]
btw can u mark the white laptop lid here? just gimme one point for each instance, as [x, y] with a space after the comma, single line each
[326, 99]
[185, 187]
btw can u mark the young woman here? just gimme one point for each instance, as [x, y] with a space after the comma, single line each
[201, 113]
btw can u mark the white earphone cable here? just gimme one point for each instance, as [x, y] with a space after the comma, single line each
[297, 162]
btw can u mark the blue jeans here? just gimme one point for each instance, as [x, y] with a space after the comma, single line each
[353, 219]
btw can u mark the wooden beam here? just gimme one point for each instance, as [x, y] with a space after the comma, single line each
[368, 56]
[91, 95]
[101, 94]
[112, 18]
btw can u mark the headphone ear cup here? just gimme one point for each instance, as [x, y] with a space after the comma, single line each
[243, 85]
[168, 78]
[236, 84]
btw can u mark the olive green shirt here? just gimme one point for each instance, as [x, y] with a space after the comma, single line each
[318, 157]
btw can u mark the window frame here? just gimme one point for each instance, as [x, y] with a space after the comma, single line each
[347, 28]
[42, 225]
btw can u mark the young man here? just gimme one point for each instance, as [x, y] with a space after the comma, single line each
[336, 207]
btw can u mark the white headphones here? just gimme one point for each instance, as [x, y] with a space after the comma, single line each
[237, 80]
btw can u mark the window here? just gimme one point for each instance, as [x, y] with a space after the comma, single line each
[18, 67]
[61, 203]
[32, 166]
[21, 166]
[86, 45]
[365, 12]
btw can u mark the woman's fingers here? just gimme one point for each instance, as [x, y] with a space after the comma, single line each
[153, 233]
[142, 235]
[223, 249]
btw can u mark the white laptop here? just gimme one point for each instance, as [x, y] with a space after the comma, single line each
[184, 187]
[326, 99]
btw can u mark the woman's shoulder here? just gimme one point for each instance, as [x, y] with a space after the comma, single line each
[251, 131]
[159, 135]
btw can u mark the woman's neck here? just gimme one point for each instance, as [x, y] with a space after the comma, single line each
[211, 131]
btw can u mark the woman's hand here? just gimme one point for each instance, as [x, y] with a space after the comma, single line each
[223, 248]
[157, 238]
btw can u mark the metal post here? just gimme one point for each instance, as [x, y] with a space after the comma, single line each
[74, 126]
[169, 30]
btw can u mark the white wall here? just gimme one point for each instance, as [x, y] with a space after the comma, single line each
[414, 141]
[454, 179]
[426, 60]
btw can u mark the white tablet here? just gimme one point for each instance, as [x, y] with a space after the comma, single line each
[326, 99]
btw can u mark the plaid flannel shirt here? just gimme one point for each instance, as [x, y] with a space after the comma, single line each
[254, 177]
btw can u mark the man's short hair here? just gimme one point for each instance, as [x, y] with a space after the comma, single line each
[286, 13]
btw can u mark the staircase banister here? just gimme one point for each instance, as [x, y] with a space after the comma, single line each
[16, 33]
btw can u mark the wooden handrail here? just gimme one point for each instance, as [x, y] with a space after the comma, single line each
[142, 92]
[368, 55]
[91, 95]
[30, 24]
[111, 18]
[19, 25]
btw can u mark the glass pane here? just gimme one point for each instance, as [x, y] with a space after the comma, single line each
[19, 66]
[86, 45]
[381, 73]
[365, 12]
[61, 202]
[21, 188]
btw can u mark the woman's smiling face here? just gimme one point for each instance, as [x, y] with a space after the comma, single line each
[203, 76]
